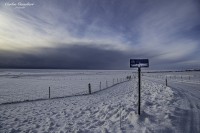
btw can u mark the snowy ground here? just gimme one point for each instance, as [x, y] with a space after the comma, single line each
[164, 109]
[186, 88]
[22, 85]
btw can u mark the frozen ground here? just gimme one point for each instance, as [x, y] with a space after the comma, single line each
[164, 109]
[22, 85]
[186, 88]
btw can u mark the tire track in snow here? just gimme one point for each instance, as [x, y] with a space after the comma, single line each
[187, 113]
[188, 110]
[186, 116]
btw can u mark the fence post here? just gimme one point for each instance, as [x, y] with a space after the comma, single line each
[121, 116]
[100, 86]
[113, 81]
[89, 88]
[166, 81]
[49, 93]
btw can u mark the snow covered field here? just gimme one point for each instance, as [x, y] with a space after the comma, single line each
[22, 85]
[189, 77]
[175, 108]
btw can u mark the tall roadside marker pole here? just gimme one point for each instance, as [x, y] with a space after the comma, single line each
[139, 63]
[139, 88]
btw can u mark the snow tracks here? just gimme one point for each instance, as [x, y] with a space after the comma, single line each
[112, 110]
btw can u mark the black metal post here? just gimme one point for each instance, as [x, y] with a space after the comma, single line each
[139, 86]
[89, 87]
[49, 93]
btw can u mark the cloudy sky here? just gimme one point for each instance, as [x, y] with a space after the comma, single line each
[99, 34]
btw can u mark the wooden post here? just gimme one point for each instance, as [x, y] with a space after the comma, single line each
[121, 116]
[49, 93]
[89, 88]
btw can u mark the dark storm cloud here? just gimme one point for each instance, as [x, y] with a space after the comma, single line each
[72, 57]
[82, 57]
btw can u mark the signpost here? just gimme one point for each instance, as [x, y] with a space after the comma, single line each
[138, 63]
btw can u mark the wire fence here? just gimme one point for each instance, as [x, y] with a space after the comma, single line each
[42, 89]
[19, 87]
[188, 77]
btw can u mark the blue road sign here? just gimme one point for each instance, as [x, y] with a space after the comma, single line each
[139, 63]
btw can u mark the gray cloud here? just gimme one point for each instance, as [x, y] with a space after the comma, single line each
[82, 57]
[72, 57]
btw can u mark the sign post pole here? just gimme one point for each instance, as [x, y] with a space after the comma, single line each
[139, 86]
[138, 63]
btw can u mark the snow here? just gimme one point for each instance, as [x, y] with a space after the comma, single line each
[32, 85]
[186, 115]
[163, 109]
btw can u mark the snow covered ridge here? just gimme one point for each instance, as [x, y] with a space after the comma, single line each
[112, 110]
[157, 107]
